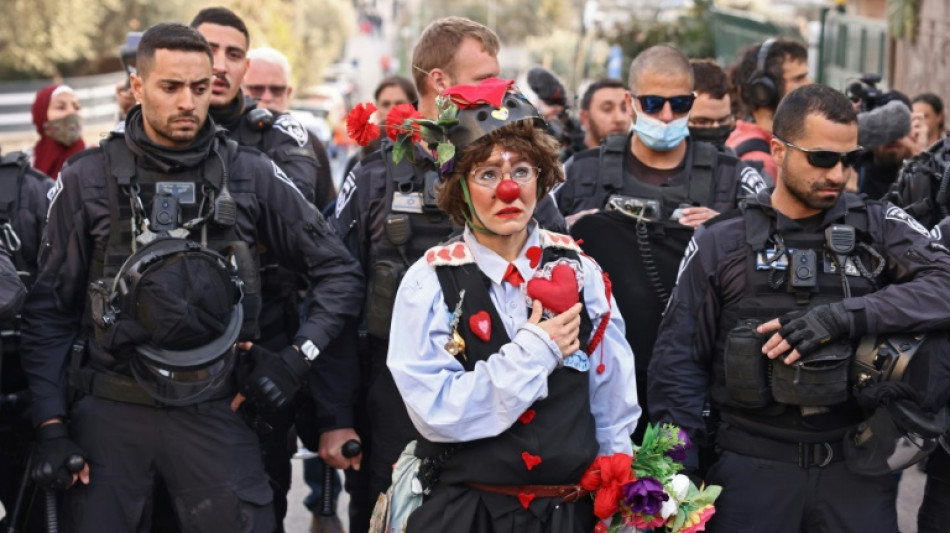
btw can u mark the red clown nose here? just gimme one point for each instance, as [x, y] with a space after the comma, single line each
[508, 191]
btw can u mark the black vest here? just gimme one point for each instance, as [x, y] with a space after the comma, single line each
[562, 430]
[398, 239]
[812, 402]
[125, 174]
[701, 187]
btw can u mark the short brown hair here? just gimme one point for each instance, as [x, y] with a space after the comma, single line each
[710, 79]
[523, 137]
[440, 41]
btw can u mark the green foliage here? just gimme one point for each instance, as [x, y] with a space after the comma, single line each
[902, 18]
[690, 33]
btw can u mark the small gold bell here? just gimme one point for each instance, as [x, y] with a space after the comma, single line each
[456, 345]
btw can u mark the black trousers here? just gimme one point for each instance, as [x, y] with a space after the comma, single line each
[209, 459]
[934, 513]
[780, 497]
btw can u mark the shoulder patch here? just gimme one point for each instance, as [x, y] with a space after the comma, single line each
[279, 174]
[345, 194]
[688, 255]
[750, 182]
[896, 213]
[550, 239]
[291, 127]
[455, 254]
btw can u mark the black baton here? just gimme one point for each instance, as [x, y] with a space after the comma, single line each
[351, 448]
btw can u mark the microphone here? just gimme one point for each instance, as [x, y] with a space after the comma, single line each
[884, 124]
[546, 85]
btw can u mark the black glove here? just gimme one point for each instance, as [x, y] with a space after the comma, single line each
[56, 457]
[806, 331]
[275, 378]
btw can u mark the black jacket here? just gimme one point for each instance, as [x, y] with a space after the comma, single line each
[712, 277]
[271, 212]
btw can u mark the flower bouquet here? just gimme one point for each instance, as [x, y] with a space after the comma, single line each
[647, 491]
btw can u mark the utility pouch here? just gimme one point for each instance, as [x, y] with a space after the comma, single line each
[746, 367]
[818, 379]
[100, 309]
[382, 296]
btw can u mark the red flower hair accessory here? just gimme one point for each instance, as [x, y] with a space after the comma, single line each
[359, 126]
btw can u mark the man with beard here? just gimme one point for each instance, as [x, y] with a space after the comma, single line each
[762, 323]
[144, 306]
[764, 75]
[605, 111]
[387, 216]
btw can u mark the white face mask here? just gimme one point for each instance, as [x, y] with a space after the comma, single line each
[661, 136]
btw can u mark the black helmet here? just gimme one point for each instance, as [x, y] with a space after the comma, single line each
[176, 306]
[901, 380]
[478, 121]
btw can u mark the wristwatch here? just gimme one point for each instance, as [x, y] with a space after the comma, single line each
[307, 348]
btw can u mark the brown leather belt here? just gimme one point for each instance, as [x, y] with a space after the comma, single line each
[567, 493]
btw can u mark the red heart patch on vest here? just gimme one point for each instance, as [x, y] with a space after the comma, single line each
[480, 324]
[526, 498]
[527, 416]
[530, 461]
[557, 294]
[444, 253]
[534, 256]
[459, 250]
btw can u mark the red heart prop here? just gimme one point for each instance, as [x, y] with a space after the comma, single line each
[530, 461]
[526, 498]
[534, 256]
[527, 416]
[508, 191]
[480, 324]
[557, 294]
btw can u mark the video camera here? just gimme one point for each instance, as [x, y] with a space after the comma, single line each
[866, 92]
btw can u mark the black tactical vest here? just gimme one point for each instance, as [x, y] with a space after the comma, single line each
[701, 187]
[794, 271]
[401, 234]
[561, 432]
[192, 189]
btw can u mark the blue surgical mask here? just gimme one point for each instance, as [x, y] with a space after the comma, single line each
[658, 135]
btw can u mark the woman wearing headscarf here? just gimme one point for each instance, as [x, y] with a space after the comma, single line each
[56, 115]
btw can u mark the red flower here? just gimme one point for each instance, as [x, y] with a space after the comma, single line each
[606, 476]
[395, 122]
[600, 528]
[358, 125]
[490, 91]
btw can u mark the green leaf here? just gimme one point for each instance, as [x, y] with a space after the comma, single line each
[449, 112]
[399, 150]
[681, 515]
[446, 152]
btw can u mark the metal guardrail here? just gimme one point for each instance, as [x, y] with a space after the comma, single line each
[96, 95]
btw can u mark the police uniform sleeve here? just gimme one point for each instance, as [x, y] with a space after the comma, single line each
[31, 219]
[54, 306]
[918, 271]
[12, 290]
[289, 145]
[548, 216]
[324, 191]
[678, 373]
[356, 206]
[304, 242]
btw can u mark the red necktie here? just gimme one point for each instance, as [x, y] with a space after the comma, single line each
[513, 276]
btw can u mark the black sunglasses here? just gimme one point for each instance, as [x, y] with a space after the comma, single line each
[826, 158]
[653, 104]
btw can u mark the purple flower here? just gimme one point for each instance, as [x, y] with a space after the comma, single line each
[448, 167]
[644, 495]
[678, 452]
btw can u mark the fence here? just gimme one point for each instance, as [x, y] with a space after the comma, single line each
[96, 95]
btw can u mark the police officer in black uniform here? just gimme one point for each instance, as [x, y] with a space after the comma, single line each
[160, 294]
[286, 141]
[387, 216]
[644, 192]
[23, 206]
[832, 267]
